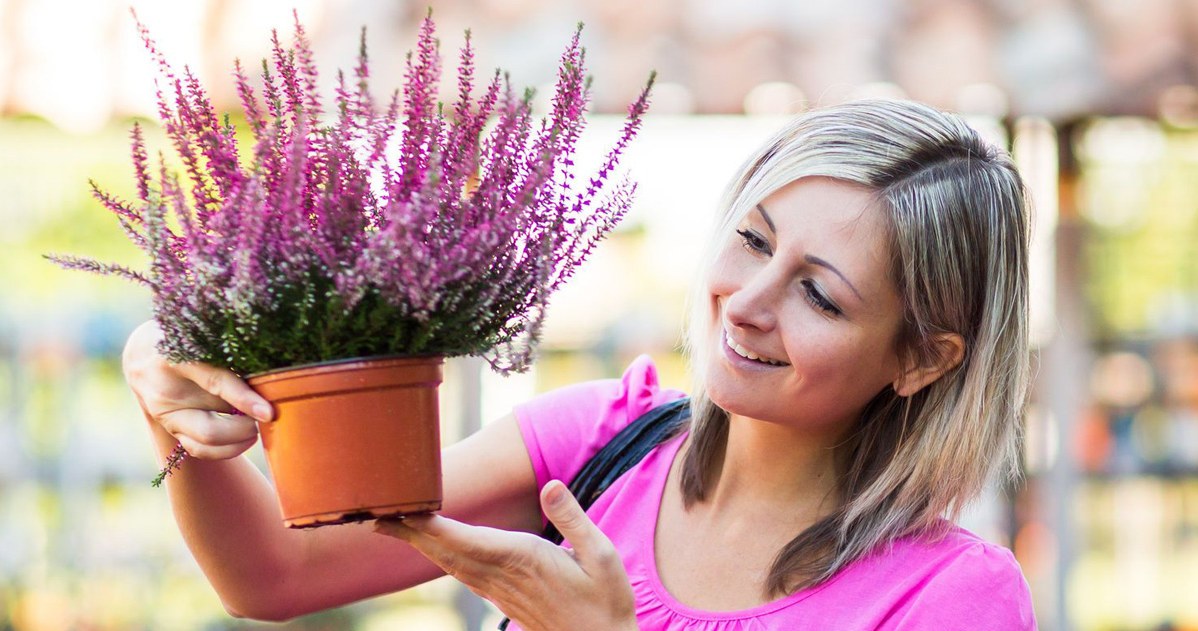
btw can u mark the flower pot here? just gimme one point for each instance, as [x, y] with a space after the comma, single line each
[353, 440]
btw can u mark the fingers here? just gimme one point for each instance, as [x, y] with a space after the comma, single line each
[441, 535]
[211, 435]
[163, 386]
[590, 544]
[227, 386]
[210, 452]
[471, 554]
[192, 400]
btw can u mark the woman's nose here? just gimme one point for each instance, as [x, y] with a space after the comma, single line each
[753, 304]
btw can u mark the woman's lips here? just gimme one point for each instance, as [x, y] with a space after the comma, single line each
[733, 352]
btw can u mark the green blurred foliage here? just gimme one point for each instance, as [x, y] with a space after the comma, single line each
[1140, 196]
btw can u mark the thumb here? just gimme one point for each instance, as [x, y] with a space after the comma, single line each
[564, 511]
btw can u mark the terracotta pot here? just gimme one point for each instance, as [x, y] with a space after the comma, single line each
[353, 440]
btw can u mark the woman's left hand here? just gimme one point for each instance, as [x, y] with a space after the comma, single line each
[540, 586]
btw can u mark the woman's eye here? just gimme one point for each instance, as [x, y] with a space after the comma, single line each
[754, 241]
[818, 300]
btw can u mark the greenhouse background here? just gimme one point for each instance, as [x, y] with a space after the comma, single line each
[1097, 99]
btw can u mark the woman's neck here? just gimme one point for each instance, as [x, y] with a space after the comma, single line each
[771, 468]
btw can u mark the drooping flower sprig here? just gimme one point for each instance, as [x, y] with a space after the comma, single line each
[412, 229]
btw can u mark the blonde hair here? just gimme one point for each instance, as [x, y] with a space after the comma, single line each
[958, 227]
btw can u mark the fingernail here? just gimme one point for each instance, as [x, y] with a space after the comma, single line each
[555, 495]
[262, 412]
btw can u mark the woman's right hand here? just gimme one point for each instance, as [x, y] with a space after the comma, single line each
[209, 410]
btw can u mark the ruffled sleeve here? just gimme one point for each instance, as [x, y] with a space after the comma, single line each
[562, 429]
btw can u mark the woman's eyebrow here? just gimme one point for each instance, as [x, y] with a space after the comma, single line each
[814, 260]
[766, 216]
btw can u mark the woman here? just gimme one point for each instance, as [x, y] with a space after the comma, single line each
[860, 350]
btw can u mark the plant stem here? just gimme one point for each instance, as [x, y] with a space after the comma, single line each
[173, 461]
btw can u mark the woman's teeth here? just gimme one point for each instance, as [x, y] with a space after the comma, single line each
[746, 353]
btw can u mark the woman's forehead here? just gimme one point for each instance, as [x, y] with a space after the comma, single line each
[821, 202]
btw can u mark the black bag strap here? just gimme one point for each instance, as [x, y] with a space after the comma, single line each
[628, 447]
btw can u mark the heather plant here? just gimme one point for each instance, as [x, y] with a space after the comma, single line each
[413, 228]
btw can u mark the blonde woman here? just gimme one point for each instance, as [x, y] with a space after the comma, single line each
[859, 345]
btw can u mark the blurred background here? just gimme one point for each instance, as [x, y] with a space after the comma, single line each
[1097, 99]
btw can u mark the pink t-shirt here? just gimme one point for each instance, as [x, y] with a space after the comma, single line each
[958, 582]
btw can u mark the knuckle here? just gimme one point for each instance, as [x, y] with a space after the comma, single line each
[141, 344]
[182, 426]
[194, 450]
[608, 557]
[572, 521]
[175, 426]
[213, 382]
[168, 423]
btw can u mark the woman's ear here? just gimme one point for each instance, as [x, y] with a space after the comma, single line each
[947, 351]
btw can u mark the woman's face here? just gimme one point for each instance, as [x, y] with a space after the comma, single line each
[804, 315]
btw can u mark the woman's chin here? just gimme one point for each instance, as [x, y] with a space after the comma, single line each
[728, 399]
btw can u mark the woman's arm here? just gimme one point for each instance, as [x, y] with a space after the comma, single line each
[230, 519]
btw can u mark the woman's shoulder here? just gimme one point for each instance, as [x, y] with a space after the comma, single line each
[953, 577]
[950, 541]
[635, 392]
[563, 428]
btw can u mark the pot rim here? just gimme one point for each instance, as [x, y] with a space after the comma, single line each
[436, 357]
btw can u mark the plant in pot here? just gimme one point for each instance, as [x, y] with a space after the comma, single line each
[338, 258]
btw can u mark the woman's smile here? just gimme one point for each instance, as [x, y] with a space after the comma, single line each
[744, 358]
